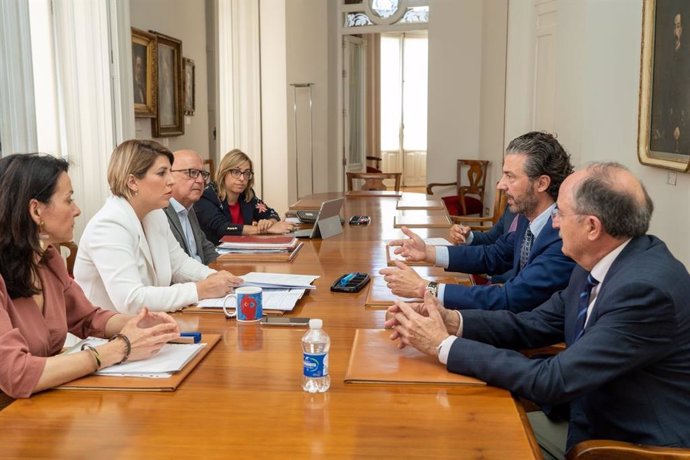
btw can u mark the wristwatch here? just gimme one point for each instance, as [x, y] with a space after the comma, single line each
[432, 287]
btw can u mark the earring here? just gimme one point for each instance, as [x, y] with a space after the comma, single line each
[43, 237]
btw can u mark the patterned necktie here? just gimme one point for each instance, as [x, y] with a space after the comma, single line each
[583, 304]
[526, 247]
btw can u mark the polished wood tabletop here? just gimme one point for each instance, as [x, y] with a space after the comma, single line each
[244, 400]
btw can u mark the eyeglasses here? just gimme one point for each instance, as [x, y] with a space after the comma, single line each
[194, 173]
[236, 173]
[555, 212]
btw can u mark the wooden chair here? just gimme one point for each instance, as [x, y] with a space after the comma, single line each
[484, 223]
[374, 164]
[373, 181]
[211, 166]
[71, 256]
[470, 191]
[616, 450]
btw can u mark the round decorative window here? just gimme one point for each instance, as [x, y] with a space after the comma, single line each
[385, 12]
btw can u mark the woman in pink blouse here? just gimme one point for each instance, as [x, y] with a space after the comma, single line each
[39, 302]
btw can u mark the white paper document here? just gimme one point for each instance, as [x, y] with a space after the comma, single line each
[172, 358]
[279, 280]
[437, 242]
[273, 299]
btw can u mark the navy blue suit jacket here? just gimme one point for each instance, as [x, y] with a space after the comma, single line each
[547, 270]
[490, 236]
[214, 216]
[627, 378]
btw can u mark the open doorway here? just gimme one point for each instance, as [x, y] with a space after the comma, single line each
[385, 87]
[403, 105]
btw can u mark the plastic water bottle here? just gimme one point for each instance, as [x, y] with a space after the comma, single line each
[315, 346]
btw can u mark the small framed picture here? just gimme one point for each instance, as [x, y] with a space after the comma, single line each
[189, 86]
[144, 73]
[169, 120]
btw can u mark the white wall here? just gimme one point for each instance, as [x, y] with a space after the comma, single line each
[307, 29]
[186, 21]
[455, 68]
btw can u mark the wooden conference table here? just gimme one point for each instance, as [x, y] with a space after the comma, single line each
[244, 399]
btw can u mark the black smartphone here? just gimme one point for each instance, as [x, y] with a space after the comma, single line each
[359, 220]
[285, 321]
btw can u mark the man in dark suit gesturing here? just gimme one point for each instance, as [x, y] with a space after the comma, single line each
[624, 316]
[534, 167]
[190, 180]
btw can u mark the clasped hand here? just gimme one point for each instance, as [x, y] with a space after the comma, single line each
[420, 325]
[148, 332]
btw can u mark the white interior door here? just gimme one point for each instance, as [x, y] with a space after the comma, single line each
[404, 70]
[354, 103]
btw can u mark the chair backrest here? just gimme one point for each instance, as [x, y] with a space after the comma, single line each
[475, 184]
[211, 167]
[617, 450]
[373, 164]
[500, 201]
[71, 256]
[372, 181]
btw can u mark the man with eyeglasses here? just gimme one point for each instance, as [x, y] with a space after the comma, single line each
[624, 317]
[534, 167]
[190, 180]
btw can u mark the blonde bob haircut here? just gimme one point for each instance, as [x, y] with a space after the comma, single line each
[232, 160]
[133, 157]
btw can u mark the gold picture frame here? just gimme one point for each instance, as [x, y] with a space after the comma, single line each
[144, 73]
[169, 120]
[189, 86]
[663, 133]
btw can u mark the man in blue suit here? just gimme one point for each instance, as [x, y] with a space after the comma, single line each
[624, 316]
[460, 234]
[535, 165]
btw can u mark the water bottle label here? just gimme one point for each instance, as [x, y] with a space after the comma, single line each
[315, 365]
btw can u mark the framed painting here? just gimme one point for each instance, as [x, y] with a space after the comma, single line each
[663, 133]
[189, 86]
[144, 73]
[169, 120]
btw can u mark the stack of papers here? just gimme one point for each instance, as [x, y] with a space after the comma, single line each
[243, 244]
[279, 280]
[281, 291]
[273, 299]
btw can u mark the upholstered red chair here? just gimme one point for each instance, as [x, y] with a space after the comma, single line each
[470, 186]
[373, 164]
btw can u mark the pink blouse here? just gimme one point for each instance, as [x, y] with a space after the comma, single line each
[28, 337]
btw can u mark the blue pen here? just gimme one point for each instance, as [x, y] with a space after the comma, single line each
[346, 279]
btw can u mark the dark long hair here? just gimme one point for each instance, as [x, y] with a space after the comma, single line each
[23, 177]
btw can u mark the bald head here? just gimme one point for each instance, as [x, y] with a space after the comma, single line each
[187, 190]
[613, 194]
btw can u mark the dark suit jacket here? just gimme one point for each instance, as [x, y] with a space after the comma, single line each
[214, 216]
[496, 231]
[491, 236]
[204, 248]
[627, 378]
[547, 271]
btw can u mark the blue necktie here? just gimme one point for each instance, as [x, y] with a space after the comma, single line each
[526, 247]
[582, 305]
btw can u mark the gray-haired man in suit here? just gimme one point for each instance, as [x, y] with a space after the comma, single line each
[625, 318]
[190, 180]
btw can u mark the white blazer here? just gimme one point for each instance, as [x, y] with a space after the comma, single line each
[123, 264]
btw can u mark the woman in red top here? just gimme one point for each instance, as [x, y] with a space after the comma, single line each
[39, 302]
[230, 207]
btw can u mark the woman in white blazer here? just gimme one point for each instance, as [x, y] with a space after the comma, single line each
[128, 258]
